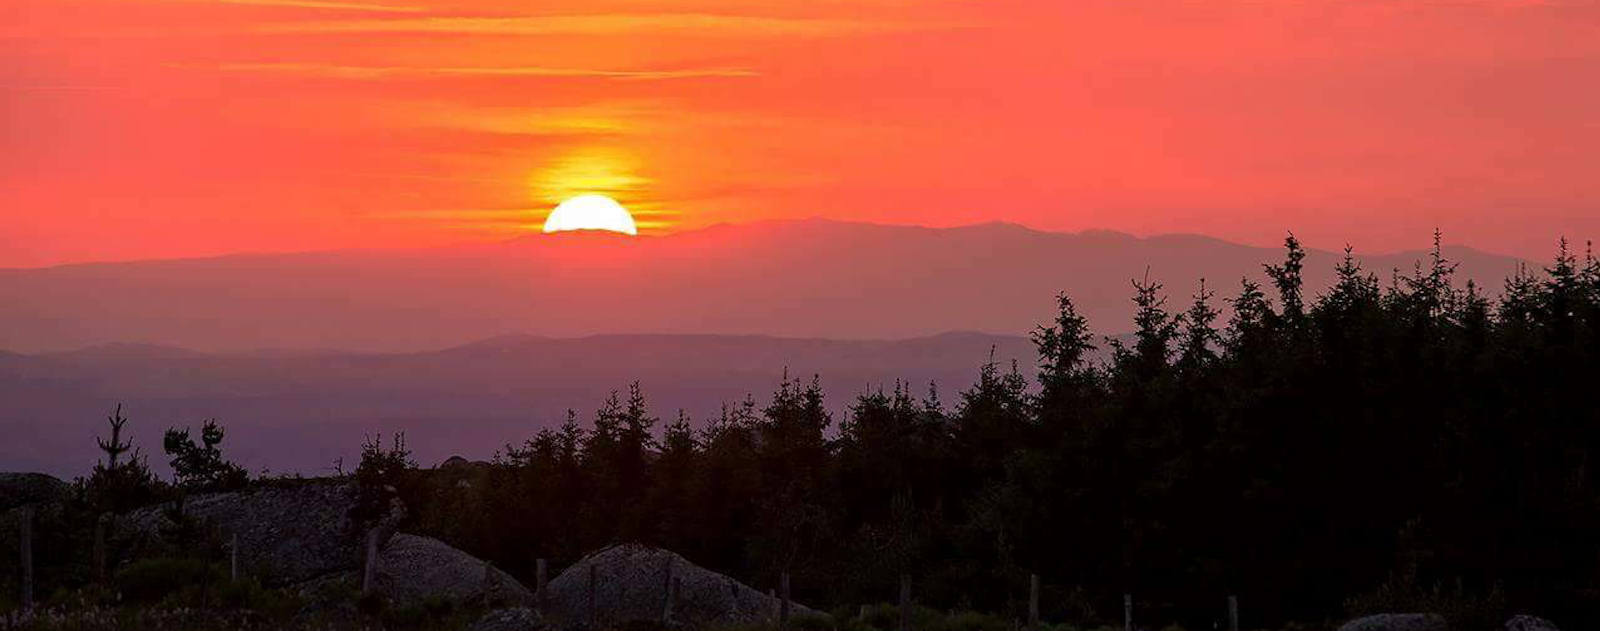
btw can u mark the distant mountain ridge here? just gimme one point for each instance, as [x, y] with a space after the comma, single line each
[802, 278]
[303, 411]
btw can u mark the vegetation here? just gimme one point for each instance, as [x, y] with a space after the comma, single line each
[1407, 442]
[201, 467]
[1407, 445]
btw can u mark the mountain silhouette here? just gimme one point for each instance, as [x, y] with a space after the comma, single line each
[803, 278]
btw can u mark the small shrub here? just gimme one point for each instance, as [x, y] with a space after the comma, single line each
[371, 605]
[1403, 593]
[972, 621]
[812, 622]
[152, 580]
[248, 594]
[433, 613]
[201, 467]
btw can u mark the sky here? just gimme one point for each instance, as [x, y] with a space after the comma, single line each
[135, 129]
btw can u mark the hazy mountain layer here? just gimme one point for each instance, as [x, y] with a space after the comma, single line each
[799, 278]
[303, 411]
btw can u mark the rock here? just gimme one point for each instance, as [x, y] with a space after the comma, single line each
[512, 619]
[631, 586]
[287, 534]
[1530, 623]
[18, 489]
[412, 569]
[1397, 622]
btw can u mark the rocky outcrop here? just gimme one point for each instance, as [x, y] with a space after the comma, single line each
[412, 569]
[513, 619]
[1529, 623]
[287, 534]
[1397, 622]
[631, 585]
[19, 489]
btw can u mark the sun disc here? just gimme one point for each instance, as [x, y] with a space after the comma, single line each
[590, 212]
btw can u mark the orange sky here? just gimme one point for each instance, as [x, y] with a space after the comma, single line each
[159, 128]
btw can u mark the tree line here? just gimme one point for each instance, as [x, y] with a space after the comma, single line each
[1385, 444]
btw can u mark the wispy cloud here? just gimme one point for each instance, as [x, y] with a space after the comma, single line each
[319, 4]
[594, 24]
[387, 72]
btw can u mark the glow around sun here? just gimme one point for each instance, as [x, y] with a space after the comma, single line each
[590, 212]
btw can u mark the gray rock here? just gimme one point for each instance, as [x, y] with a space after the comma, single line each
[18, 489]
[1397, 622]
[1530, 623]
[512, 619]
[631, 586]
[412, 569]
[287, 534]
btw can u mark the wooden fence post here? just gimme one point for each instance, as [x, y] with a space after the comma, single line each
[26, 532]
[667, 594]
[233, 557]
[1233, 613]
[905, 602]
[491, 582]
[100, 547]
[783, 607]
[1033, 601]
[594, 605]
[540, 577]
[369, 573]
[1127, 612]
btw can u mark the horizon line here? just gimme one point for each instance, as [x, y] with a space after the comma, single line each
[534, 235]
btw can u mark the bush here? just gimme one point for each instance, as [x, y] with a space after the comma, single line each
[1403, 592]
[382, 476]
[812, 622]
[152, 580]
[433, 613]
[972, 621]
[248, 594]
[201, 467]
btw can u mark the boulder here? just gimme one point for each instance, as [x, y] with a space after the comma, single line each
[512, 619]
[287, 534]
[19, 489]
[1529, 623]
[413, 569]
[1397, 622]
[631, 585]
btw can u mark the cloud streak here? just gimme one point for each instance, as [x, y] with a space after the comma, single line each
[318, 4]
[373, 73]
[592, 24]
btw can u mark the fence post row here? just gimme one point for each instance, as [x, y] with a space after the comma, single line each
[671, 584]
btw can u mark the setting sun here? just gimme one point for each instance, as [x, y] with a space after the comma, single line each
[590, 212]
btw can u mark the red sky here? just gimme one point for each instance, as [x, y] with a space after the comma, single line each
[161, 128]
